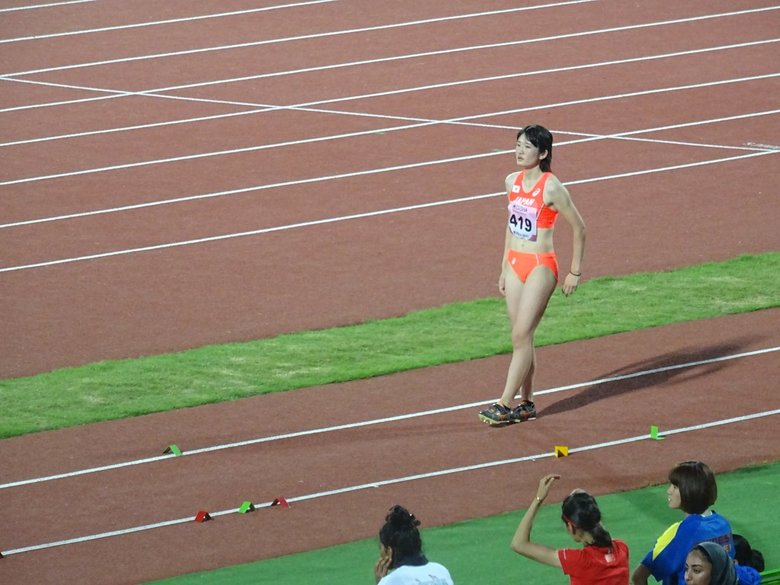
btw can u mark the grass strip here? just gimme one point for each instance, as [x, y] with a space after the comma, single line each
[457, 332]
[473, 550]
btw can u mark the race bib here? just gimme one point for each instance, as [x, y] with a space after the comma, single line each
[522, 221]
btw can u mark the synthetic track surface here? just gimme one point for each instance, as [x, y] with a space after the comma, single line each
[216, 212]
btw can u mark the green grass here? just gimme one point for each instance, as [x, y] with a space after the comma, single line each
[458, 332]
[468, 549]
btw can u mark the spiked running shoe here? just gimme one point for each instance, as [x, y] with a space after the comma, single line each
[526, 410]
[497, 414]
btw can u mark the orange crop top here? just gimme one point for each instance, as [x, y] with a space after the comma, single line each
[527, 211]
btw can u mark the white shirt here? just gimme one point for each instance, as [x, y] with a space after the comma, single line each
[430, 574]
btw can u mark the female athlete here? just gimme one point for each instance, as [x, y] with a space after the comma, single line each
[529, 268]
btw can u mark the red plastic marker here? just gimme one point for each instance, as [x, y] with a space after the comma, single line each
[280, 502]
[202, 516]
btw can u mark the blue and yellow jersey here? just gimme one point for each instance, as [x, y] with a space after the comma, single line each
[667, 559]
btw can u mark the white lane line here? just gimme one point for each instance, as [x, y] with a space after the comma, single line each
[346, 426]
[401, 57]
[161, 22]
[425, 121]
[364, 215]
[302, 106]
[629, 135]
[152, 92]
[312, 36]
[398, 480]
[49, 5]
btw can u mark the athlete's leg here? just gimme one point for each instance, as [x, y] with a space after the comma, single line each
[526, 303]
[526, 388]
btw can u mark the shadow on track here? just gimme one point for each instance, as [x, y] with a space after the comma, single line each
[615, 388]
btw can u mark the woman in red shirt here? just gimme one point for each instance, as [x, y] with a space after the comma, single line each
[601, 561]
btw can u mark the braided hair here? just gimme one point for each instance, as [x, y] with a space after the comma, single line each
[400, 533]
[580, 510]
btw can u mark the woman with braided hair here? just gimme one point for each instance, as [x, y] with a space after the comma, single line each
[401, 561]
[602, 560]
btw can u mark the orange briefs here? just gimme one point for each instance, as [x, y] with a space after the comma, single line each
[523, 263]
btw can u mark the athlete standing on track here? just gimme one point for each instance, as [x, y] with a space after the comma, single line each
[529, 268]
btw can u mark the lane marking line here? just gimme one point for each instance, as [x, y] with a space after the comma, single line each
[398, 480]
[347, 426]
[630, 135]
[455, 121]
[158, 91]
[306, 106]
[364, 215]
[50, 5]
[319, 36]
[161, 22]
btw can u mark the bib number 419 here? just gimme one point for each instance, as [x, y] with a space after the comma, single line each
[521, 223]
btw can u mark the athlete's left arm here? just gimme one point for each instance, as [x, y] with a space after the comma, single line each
[557, 197]
[521, 541]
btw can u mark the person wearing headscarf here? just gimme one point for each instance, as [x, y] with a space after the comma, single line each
[709, 564]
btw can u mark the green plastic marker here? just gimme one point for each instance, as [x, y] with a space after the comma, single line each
[173, 449]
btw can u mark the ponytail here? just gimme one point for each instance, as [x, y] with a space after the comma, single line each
[601, 537]
[580, 510]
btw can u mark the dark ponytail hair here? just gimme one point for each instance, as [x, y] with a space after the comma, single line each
[580, 510]
[401, 534]
[542, 139]
[747, 555]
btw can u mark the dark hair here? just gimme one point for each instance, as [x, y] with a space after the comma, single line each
[696, 482]
[542, 139]
[400, 533]
[580, 510]
[746, 555]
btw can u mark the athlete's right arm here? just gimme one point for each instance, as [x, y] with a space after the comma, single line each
[508, 183]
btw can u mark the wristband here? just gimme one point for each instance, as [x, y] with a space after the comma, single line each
[575, 274]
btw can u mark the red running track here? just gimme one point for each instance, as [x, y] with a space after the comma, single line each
[676, 94]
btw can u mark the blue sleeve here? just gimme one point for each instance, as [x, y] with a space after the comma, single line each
[747, 575]
[667, 558]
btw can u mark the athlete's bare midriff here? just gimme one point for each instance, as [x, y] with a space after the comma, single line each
[543, 243]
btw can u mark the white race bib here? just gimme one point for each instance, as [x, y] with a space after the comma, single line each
[522, 220]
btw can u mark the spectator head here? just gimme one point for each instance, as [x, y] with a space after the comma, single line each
[580, 511]
[708, 563]
[747, 555]
[696, 482]
[400, 533]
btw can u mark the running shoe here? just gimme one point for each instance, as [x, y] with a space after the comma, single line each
[524, 411]
[497, 414]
